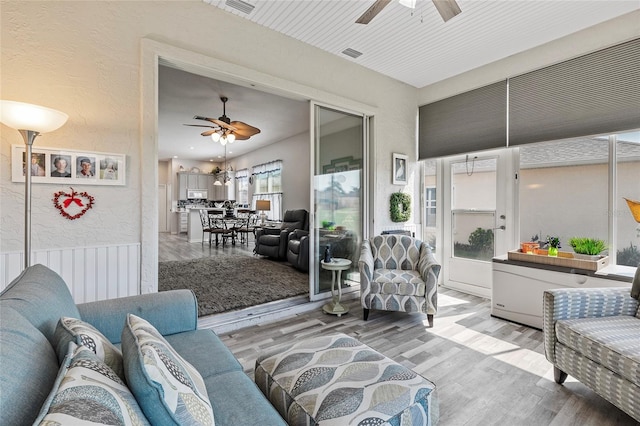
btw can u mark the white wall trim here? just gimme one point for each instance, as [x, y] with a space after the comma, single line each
[91, 273]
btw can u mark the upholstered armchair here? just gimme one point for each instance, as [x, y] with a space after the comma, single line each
[298, 249]
[272, 242]
[398, 273]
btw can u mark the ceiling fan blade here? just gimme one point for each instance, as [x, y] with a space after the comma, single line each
[240, 137]
[447, 8]
[222, 124]
[208, 133]
[199, 125]
[371, 13]
[244, 129]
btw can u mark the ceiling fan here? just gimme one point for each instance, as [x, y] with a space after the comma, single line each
[225, 130]
[447, 9]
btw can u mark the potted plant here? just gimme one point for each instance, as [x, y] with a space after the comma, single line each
[587, 248]
[554, 245]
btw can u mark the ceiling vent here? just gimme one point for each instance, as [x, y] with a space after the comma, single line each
[351, 52]
[240, 5]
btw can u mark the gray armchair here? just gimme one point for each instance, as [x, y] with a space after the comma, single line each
[272, 242]
[593, 334]
[398, 273]
[298, 249]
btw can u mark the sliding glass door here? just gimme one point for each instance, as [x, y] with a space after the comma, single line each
[338, 195]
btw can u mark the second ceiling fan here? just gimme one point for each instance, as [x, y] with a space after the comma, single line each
[225, 130]
[447, 9]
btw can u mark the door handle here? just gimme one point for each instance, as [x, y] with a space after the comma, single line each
[501, 227]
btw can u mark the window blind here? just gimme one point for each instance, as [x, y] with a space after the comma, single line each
[593, 94]
[471, 121]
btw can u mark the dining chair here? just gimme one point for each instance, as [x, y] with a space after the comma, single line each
[206, 226]
[246, 226]
[219, 227]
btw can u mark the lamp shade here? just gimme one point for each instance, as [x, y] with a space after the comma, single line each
[263, 205]
[23, 116]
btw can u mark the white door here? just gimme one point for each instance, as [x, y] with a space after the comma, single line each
[479, 212]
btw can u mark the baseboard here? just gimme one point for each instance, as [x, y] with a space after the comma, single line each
[228, 322]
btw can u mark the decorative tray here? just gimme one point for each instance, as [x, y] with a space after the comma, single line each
[564, 259]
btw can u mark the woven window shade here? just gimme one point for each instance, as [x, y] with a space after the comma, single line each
[471, 121]
[593, 94]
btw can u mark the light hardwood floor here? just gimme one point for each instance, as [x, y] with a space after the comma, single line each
[487, 371]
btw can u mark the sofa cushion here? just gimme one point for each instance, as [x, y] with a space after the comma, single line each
[200, 347]
[229, 391]
[613, 342]
[168, 388]
[82, 333]
[42, 296]
[398, 281]
[88, 392]
[28, 368]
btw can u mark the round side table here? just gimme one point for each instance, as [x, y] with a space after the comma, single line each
[336, 266]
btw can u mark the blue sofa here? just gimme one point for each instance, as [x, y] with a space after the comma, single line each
[31, 306]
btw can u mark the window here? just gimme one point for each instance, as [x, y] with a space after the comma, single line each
[242, 186]
[430, 203]
[564, 192]
[268, 177]
[627, 186]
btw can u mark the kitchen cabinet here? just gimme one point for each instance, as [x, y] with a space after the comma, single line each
[187, 180]
[182, 186]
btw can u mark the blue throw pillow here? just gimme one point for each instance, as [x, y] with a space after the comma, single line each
[88, 392]
[168, 388]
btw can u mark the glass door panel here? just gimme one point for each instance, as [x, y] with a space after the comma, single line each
[337, 195]
[476, 218]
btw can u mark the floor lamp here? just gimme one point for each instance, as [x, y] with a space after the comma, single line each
[30, 120]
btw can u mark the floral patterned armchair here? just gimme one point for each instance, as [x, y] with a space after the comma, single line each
[398, 273]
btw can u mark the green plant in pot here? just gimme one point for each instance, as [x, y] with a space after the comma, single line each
[587, 246]
[554, 245]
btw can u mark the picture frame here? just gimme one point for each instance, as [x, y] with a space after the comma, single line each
[399, 170]
[343, 164]
[68, 166]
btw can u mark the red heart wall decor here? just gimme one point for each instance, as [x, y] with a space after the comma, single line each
[74, 204]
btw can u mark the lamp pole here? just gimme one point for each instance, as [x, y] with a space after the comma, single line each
[29, 136]
[30, 120]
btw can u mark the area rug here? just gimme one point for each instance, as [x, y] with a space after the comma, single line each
[226, 283]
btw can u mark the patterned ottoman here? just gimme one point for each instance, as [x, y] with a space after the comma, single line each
[336, 380]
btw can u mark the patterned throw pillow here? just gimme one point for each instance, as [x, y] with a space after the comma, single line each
[88, 392]
[82, 333]
[168, 388]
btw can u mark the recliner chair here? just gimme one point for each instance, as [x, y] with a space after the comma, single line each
[298, 249]
[272, 242]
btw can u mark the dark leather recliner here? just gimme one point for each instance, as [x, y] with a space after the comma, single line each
[298, 249]
[272, 242]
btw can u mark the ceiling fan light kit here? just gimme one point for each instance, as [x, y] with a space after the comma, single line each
[224, 130]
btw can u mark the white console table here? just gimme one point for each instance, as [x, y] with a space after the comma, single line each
[518, 287]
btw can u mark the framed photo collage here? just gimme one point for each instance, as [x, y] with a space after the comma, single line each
[67, 166]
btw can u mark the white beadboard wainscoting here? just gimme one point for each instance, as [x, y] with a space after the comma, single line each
[91, 273]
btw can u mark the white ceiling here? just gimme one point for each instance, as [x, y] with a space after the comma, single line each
[417, 48]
